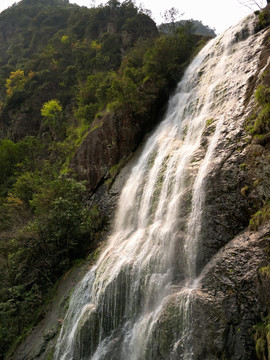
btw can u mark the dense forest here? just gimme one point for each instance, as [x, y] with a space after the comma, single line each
[61, 67]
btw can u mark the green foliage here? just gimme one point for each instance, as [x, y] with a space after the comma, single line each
[51, 110]
[243, 166]
[64, 150]
[259, 126]
[262, 339]
[262, 95]
[17, 297]
[82, 63]
[209, 122]
[261, 217]
[25, 186]
[9, 156]
[39, 244]
[264, 19]
[14, 157]
[261, 122]
[15, 82]
[62, 221]
[147, 69]
[60, 45]
[44, 226]
[167, 58]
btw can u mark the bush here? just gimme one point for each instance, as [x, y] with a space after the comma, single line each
[261, 123]
[13, 156]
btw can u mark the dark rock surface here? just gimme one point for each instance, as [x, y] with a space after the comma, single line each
[108, 140]
[216, 320]
[112, 138]
[232, 298]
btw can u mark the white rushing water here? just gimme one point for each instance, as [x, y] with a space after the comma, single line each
[137, 301]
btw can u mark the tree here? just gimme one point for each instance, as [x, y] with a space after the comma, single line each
[253, 3]
[145, 11]
[62, 221]
[171, 15]
[51, 110]
[15, 82]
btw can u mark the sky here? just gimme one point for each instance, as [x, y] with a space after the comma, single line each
[217, 14]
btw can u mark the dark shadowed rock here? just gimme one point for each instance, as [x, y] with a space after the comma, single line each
[231, 299]
[111, 138]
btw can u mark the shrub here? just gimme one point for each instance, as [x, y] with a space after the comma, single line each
[261, 123]
[261, 217]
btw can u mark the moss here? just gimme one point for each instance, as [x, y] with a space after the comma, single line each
[243, 166]
[260, 218]
[158, 186]
[93, 256]
[260, 348]
[249, 123]
[151, 159]
[96, 126]
[50, 355]
[208, 130]
[265, 270]
[184, 132]
[209, 122]
[257, 182]
[260, 124]
[115, 170]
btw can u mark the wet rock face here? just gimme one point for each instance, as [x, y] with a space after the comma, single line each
[226, 209]
[215, 321]
[222, 311]
[238, 185]
[234, 285]
[110, 139]
[87, 335]
[100, 150]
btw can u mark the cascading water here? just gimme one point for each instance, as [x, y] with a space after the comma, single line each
[136, 303]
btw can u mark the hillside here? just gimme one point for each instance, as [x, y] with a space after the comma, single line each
[82, 90]
[188, 256]
[50, 46]
[68, 71]
[196, 26]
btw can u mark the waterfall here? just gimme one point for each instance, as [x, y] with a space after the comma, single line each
[136, 303]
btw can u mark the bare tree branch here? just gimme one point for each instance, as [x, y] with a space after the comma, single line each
[252, 3]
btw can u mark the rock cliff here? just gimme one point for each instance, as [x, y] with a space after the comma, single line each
[112, 138]
[230, 301]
